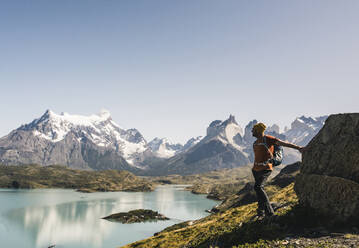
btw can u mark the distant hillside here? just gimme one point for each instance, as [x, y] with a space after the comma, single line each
[36, 176]
[217, 184]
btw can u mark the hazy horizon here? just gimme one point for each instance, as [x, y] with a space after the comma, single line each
[169, 68]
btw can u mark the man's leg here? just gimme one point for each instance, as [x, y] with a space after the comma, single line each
[263, 200]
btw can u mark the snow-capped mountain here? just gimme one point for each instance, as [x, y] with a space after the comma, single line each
[226, 146]
[217, 150]
[94, 142]
[273, 128]
[163, 148]
[303, 129]
[97, 142]
[99, 129]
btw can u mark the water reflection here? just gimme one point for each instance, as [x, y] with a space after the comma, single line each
[78, 223]
[66, 223]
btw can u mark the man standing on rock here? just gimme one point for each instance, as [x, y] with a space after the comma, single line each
[263, 149]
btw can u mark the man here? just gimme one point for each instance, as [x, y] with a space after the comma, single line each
[263, 149]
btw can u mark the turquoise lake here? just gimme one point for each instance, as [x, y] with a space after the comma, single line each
[66, 218]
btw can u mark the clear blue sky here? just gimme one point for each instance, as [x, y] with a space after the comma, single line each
[168, 68]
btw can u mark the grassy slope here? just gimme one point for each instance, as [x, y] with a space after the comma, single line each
[222, 228]
[235, 227]
[35, 176]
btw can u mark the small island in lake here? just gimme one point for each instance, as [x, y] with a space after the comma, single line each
[138, 215]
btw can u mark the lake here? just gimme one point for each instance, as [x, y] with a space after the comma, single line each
[66, 218]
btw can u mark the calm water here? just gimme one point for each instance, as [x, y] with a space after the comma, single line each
[65, 218]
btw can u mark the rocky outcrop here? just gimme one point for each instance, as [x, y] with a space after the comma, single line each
[329, 177]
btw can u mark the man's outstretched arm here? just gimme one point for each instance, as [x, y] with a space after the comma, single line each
[290, 145]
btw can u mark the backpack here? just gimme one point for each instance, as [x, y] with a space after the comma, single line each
[277, 156]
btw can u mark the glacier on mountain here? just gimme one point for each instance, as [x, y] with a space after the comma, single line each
[100, 129]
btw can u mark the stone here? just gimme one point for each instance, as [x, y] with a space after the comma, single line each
[329, 176]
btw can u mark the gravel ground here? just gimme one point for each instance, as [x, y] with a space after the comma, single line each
[332, 240]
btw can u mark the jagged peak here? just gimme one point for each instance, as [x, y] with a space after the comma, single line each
[303, 118]
[311, 122]
[49, 112]
[251, 124]
[217, 123]
[232, 119]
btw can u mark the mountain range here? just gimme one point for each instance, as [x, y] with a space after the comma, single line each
[96, 142]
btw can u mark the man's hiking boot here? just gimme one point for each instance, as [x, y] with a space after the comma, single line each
[260, 216]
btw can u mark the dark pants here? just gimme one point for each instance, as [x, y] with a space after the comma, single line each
[264, 205]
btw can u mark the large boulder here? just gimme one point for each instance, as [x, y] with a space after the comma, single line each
[329, 177]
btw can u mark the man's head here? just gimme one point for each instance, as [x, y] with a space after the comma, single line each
[258, 130]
